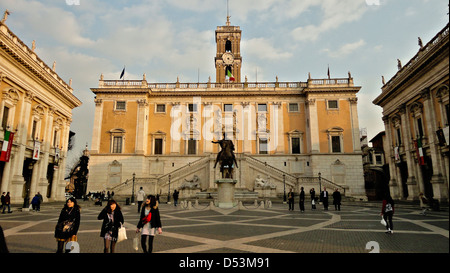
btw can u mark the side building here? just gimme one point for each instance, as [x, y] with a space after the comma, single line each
[35, 112]
[286, 134]
[415, 104]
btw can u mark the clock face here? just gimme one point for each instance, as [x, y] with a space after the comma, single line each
[227, 58]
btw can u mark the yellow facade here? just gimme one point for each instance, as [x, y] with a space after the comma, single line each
[415, 106]
[163, 128]
[36, 106]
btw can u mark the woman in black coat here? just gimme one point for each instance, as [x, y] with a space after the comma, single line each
[112, 220]
[149, 229]
[68, 223]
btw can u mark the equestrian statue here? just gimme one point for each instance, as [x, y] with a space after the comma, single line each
[226, 157]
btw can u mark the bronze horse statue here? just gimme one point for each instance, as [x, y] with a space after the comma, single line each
[226, 157]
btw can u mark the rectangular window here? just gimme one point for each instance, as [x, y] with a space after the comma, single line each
[293, 107]
[336, 144]
[117, 145]
[262, 107]
[192, 108]
[160, 108]
[378, 159]
[33, 130]
[228, 107]
[5, 117]
[121, 105]
[263, 146]
[192, 147]
[332, 104]
[399, 137]
[158, 146]
[419, 127]
[295, 145]
[55, 138]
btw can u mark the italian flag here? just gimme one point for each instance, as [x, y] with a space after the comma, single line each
[419, 151]
[230, 76]
[6, 148]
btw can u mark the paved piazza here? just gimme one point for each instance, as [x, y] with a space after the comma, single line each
[201, 229]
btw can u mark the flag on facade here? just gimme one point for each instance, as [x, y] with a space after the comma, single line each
[230, 76]
[36, 150]
[419, 151]
[7, 145]
[328, 72]
[123, 73]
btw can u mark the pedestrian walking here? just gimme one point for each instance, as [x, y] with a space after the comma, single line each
[302, 200]
[140, 198]
[3, 200]
[68, 223]
[337, 200]
[291, 199]
[175, 197]
[387, 211]
[35, 203]
[112, 220]
[324, 198]
[150, 223]
[7, 203]
[312, 193]
[423, 203]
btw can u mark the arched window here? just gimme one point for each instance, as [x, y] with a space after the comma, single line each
[228, 46]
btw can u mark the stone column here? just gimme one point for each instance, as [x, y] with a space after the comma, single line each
[96, 132]
[17, 181]
[355, 124]
[141, 127]
[411, 181]
[440, 191]
[389, 153]
[313, 128]
[175, 128]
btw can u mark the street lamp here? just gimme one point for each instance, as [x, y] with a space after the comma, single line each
[132, 190]
[320, 183]
[284, 188]
[168, 195]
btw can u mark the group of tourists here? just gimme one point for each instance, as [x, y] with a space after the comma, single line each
[112, 221]
[323, 198]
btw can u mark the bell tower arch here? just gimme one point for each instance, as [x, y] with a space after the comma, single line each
[228, 53]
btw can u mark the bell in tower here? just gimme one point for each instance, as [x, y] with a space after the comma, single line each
[228, 58]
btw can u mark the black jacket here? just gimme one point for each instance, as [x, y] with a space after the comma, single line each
[118, 220]
[68, 214]
[155, 222]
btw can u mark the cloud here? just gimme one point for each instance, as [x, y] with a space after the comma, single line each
[346, 49]
[264, 49]
[334, 14]
[47, 20]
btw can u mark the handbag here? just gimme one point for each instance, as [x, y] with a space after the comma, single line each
[63, 230]
[136, 242]
[122, 235]
[383, 222]
[147, 218]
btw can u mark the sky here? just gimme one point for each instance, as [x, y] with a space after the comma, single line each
[166, 39]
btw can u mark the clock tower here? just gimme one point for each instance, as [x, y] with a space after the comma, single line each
[228, 56]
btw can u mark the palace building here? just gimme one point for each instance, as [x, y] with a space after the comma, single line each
[415, 104]
[35, 112]
[286, 134]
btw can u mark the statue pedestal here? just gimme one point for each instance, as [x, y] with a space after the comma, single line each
[266, 192]
[225, 189]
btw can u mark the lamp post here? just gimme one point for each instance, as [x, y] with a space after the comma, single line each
[132, 190]
[168, 194]
[284, 188]
[320, 183]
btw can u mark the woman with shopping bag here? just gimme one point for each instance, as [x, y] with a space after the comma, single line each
[112, 221]
[149, 222]
[66, 228]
